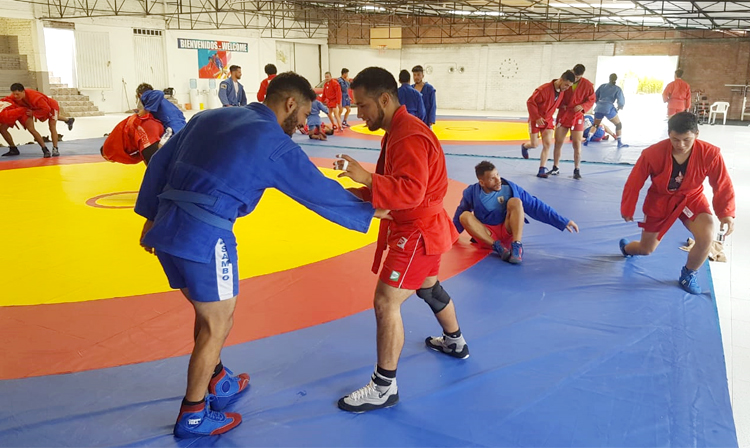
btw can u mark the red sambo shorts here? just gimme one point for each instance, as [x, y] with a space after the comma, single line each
[501, 233]
[407, 264]
[570, 119]
[657, 224]
[549, 124]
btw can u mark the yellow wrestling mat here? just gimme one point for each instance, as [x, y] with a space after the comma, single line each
[72, 235]
[471, 131]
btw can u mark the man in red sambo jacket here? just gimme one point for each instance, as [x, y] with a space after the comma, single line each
[577, 100]
[133, 140]
[678, 167]
[541, 105]
[43, 108]
[411, 181]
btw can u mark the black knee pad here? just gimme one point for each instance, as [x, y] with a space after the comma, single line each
[618, 126]
[436, 297]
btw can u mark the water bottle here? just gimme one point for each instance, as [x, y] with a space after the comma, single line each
[165, 137]
[720, 234]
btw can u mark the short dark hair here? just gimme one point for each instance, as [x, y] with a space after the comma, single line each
[344, 71]
[579, 69]
[404, 76]
[613, 78]
[568, 76]
[375, 81]
[678, 73]
[682, 123]
[327, 73]
[16, 87]
[270, 69]
[233, 68]
[417, 68]
[142, 88]
[289, 84]
[482, 167]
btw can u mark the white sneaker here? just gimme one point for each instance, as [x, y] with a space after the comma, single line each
[370, 397]
[455, 347]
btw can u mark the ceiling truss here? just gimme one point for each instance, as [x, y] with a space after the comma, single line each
[560, 19]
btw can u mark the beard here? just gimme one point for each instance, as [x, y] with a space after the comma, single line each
[289, 126]
[379, 122]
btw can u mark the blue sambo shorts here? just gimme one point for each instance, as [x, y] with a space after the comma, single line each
[206, 282]
[610, 114]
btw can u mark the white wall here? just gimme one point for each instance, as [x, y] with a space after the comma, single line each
[495, 76]
[182, 64]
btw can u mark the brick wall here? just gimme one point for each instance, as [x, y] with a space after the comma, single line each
[24, 32]
[708, 65]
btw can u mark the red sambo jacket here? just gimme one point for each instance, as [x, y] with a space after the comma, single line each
[582, 95]
[42, 106]
[662, 205]
[411, 181]
[542, 103]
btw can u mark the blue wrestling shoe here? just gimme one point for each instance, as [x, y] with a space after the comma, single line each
[199, 420]
[226, 388]
[500, 250]
[524, 151]
[689, 280]
[621, 145]
[543, 172]
[516, 253]
[624, 242]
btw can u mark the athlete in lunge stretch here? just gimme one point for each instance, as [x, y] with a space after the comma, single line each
[678, 167]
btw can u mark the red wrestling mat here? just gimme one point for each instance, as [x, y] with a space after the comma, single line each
[71, 337]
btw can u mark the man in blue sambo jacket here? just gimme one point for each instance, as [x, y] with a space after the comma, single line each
[493, 212]
[209, 174]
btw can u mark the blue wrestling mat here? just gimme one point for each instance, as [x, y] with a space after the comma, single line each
[575, 347]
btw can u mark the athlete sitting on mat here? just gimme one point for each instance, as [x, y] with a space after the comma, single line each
[493, 212]
[678, 167]
[133, 140]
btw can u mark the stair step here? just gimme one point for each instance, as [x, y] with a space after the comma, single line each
[53, 80]
[67, 104]
[61, 98]
[63, 91]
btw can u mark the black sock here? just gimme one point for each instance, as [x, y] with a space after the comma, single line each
[390, 374]
[218, 369]
[185, 402]
[554, 167]
[455, 335]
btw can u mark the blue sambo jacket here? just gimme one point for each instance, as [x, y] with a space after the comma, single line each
[216, 171]
[532, 206]
[169, 114]
[412, 99]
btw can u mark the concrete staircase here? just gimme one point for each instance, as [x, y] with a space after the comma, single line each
[72, 103]
[13, 66]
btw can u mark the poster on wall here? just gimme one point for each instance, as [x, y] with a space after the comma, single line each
[214, 56]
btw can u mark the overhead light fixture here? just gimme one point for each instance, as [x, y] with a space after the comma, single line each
[618, 5]
[638, 19]
[373, 8]
[488, 13]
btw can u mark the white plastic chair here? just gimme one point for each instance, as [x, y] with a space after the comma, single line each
[719, 107]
